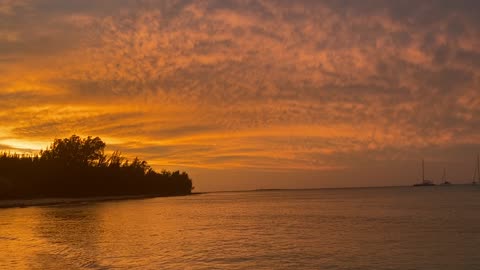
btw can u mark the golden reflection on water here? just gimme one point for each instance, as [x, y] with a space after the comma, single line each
[88, 236]
[336, 229]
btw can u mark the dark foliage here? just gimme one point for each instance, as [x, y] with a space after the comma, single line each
[76, 167]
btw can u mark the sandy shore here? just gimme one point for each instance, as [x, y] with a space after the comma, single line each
[63, 201]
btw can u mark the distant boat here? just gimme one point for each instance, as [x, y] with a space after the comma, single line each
[424, 183]
[476, 174]
[444, 178]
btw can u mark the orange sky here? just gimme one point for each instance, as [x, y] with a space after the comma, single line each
[250, 94]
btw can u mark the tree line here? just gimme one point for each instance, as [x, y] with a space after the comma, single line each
[78, 167]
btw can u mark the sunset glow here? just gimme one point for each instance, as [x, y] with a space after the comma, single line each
[247, 94]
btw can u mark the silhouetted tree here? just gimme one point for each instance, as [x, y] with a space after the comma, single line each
[76, 166]
[76, 151]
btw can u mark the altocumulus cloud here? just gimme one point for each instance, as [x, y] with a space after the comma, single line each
[329, 88]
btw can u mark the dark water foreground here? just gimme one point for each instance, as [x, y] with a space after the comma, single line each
[378, 228]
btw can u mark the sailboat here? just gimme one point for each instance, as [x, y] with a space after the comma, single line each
[444, 178]
[476, 175]
[424, 183]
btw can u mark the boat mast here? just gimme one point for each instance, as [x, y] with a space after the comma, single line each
[478, 167]
[423, 171]
[444, 175]
[476, 174]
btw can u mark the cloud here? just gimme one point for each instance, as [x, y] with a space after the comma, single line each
[300, 85]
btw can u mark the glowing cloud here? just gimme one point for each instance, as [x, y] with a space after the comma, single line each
[322, 87]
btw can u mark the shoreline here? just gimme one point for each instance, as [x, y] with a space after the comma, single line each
[24, 203]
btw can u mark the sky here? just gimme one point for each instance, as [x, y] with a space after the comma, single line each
[250, 94]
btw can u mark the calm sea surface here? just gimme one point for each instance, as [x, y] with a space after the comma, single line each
[372, 228]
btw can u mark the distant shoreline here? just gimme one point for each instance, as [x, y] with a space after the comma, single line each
[23, 203]
[329, 188]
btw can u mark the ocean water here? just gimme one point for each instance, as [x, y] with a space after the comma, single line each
[368, 228]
